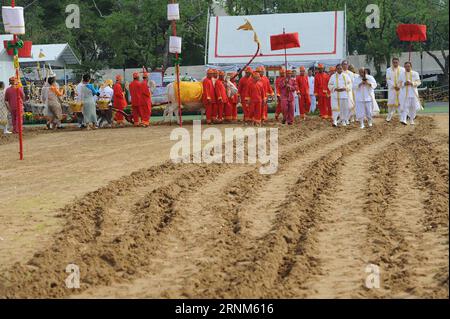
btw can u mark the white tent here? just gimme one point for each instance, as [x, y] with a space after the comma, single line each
[322, 38]
[56, 55]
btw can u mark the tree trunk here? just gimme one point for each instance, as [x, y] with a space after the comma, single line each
[444, 67]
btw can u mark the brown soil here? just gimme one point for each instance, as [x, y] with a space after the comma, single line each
[342, 199]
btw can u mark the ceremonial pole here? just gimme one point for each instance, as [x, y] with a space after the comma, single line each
[177, 57]
[285, 50]
[248, 27]
[16, 46]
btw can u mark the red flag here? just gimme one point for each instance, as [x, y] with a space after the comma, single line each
[412, 32]
[284, 41]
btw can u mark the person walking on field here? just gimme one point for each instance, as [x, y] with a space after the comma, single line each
[136, 96]
[303, 92]
[287, 90]
[88, 92]
[231, 107]
[4, 112]
[257, 95]
[13, 102]
[146, 101]
[106, 95]
[363, 87]
[268, 92]
[393, 75]
[53, 99]
[278, 82]
[409, 95]
[348, 70]
[119, 101]
[209, 95]
[222, 98]
[312, 97]
[340, 88]
[322, 93]
[244, 97]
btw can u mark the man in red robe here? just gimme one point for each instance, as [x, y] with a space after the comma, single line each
[136, 96]
[231, 106]
[146, 101]
[209, 95]
[287, 89]
[268, 91]
[303, 92]
[221, 94]
[14, 101]
[244, 96]
[278, 81]
[120, 103]
[257, 94]
[322, 93]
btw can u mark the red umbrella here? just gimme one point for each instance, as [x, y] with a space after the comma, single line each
[284, 41]
[412, 33]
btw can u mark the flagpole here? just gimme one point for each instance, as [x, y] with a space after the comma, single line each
[410, 49]
[177, 71]
[18, 85]
[285, 49]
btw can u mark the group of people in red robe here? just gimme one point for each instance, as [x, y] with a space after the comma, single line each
[219, 104]
[141, 99]
[253, 92]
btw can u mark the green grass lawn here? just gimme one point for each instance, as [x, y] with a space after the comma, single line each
[436, 107]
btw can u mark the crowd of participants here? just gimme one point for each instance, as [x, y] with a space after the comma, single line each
[341, 94]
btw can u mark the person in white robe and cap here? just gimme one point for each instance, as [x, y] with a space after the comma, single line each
[363, 88]
[340, 86]
[409, 81]
[392, 79]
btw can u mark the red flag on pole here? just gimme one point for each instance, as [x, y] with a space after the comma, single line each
[412, 32]
[284, 41]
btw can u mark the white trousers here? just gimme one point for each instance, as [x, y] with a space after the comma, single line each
[364, 110]
[313, 103]
[391, 111]
[409, 109]
[344, 113]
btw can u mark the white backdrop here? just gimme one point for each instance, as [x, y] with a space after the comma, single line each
[322, 38]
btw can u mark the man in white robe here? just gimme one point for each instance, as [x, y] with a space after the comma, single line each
[409, 94]
[351, 95]
[340, 88]
[363, 87]
[311, 90]
[392, 79]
